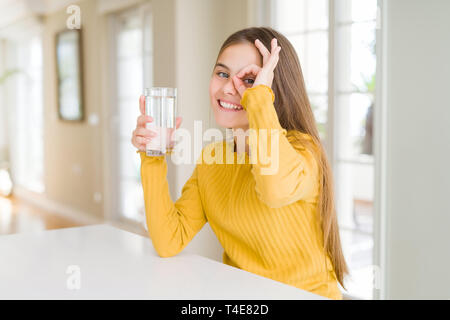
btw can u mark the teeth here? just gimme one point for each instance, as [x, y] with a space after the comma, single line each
[229, 106]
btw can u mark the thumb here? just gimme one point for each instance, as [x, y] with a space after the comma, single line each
[142, 104]
[178, 122]
[239, 85]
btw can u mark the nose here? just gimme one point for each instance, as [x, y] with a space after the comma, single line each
[228, 87]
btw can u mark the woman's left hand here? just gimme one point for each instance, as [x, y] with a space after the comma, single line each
[263, 75]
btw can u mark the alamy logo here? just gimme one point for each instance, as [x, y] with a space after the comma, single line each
[264, 150]
[74, 20]
[74, 280]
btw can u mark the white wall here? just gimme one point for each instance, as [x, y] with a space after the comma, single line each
[418, 149]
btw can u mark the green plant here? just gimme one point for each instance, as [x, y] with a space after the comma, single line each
[7, 74]
[368, 84]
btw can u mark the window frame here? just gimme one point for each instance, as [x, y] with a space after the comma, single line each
[18, 142]
[378, 158]
[111, 134]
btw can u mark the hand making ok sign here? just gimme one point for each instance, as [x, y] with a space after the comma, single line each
[263, 75]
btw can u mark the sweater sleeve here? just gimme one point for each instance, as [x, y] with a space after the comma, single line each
[289, 172]
[171, 226]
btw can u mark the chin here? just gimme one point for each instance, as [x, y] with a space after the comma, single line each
[229, 122]
[225, 124]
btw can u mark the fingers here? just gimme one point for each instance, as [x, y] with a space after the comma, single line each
[139, 142]
[273, 44]
[237, 79]
[146, 133]
[239, 85]
[252, 69]
[262, 75]
[142, 104]
[141, 137]
[262, 48]
[143, 120]
[271, 57]
[272, 63]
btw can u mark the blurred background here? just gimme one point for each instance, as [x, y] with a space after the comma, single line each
[376, 74]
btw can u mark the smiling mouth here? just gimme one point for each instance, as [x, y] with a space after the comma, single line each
[225, 106]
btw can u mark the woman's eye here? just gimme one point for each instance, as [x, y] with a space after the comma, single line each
[222, 74]
[225, 75]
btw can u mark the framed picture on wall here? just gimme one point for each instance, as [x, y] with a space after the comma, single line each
[69, 75]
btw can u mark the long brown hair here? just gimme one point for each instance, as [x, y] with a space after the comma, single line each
[295, 114]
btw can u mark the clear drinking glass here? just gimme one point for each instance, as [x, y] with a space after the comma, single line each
[161, 105]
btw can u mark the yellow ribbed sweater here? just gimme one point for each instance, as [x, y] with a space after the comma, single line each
[267, 224]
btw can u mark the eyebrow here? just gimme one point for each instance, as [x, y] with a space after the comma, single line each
[219, 64]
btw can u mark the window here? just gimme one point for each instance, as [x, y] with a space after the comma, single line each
[337, 38]
[133, 65]
[27, 133]
[305, 24]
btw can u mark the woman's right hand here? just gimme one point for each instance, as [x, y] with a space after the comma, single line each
[141, 135]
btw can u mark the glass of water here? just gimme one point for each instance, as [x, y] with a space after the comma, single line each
[161, 105]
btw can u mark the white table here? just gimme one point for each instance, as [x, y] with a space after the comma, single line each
[114, 264]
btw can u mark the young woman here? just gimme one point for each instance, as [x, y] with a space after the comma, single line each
[282, 225]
